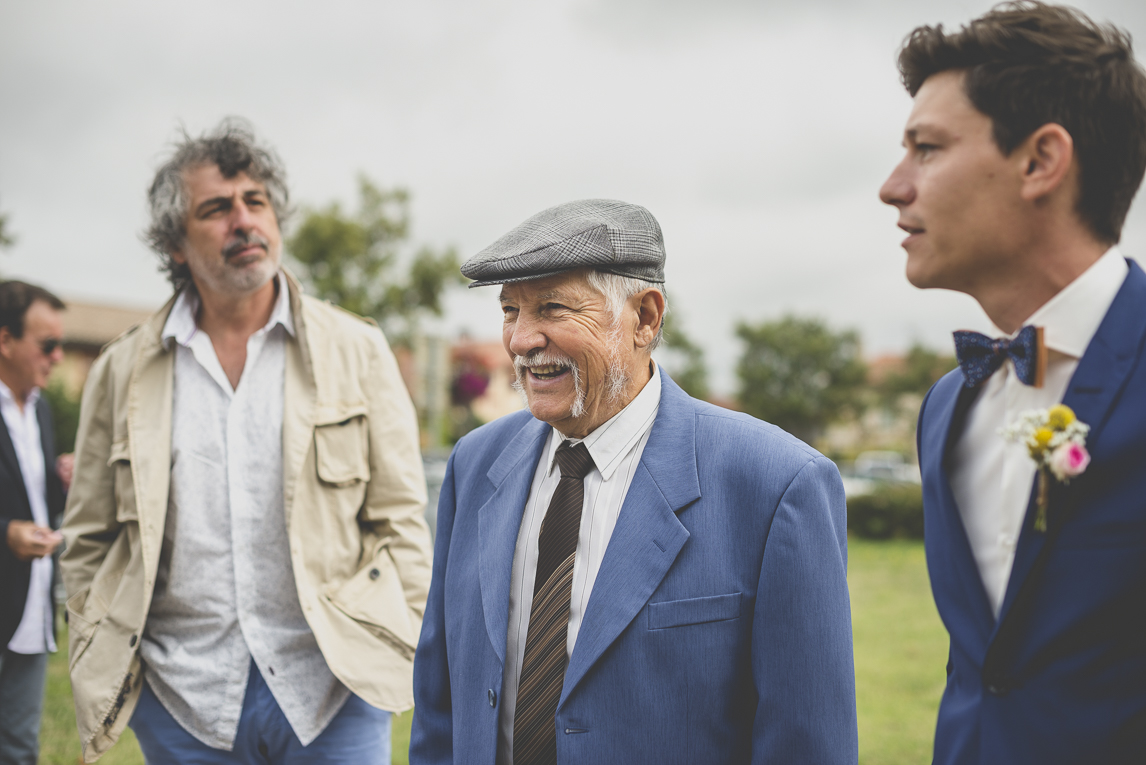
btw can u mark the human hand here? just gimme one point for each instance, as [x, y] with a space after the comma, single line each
[29, 541]
[65, 467]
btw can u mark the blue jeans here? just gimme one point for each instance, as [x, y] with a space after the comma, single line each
[358, 735]
[21, 701]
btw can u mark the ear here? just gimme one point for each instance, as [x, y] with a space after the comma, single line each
[1047, 158]
[179, 257]
[650, 305]
[6, 341]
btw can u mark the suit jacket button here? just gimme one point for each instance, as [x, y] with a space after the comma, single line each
[375, 573]
[997, 688]
[492, 697]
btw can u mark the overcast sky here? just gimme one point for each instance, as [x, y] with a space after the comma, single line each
[758, 133]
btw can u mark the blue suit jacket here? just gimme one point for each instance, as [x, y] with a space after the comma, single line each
[1061, 676]
[718, 629]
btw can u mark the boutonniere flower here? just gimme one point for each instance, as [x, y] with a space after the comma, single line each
[1056, 441]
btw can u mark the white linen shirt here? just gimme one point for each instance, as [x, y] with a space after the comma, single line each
[616, 447]
[225, 593]
[992, 479]
[34, 633]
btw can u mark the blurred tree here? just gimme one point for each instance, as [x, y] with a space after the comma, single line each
[65, 414]
[6, 238]
[685, 361]
[350, 260]
[798, 374]
[922, 368]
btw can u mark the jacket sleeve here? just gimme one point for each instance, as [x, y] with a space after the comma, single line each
[431, 734]
[392, 512]
[90, 524]
[801, 633]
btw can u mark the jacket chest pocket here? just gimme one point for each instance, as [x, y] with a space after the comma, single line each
[681, 613]
[340, 448]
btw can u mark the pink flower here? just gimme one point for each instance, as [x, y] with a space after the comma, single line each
[1069, 460]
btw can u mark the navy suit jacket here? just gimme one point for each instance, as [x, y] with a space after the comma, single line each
[718, 629]
[1060, 677]
[15, 574]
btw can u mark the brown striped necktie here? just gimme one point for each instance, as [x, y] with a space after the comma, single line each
[543, 668]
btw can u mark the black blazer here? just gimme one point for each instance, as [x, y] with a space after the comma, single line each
[14, 506]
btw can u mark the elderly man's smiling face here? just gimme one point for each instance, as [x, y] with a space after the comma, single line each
[576, 367]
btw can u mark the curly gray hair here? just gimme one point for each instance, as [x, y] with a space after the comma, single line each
[233, 147]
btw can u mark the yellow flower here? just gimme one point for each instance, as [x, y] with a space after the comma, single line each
[1040, 441]
[1059, 417]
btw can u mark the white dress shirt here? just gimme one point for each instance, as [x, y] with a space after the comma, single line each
[616, 447]
[992, 479]
[34, 633]
[225, 593]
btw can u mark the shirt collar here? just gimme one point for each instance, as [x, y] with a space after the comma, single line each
[1070, 318]
[7, 396]
[181, 325]
[613, 439]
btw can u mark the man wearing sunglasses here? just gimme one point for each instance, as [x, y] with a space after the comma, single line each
[31, 502]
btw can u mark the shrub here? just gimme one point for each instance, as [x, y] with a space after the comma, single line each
[65, 415]
[892, 510]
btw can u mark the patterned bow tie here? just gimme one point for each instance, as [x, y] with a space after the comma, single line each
[981, 356]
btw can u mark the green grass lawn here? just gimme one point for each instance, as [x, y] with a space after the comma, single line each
[900, 653]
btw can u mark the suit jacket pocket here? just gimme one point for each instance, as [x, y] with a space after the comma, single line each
[678, 613]
[375, 598]
[340, 448]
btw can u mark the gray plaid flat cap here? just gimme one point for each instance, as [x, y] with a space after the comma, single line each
[602, 234]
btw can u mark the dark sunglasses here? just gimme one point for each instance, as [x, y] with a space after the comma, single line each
[49, 345]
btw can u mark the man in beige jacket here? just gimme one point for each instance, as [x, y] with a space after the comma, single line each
[246, 561]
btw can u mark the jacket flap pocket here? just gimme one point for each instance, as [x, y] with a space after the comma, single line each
[119, 453]
[374, 597]
[678, 613]
[119, 460]
[336, 414]
[340, 449]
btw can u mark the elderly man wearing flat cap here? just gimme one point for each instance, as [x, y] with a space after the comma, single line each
[624, 574]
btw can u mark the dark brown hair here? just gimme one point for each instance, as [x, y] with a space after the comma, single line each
[15, 300]
[1029, 64]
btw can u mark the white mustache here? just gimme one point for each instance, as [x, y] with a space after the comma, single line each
[540, 358]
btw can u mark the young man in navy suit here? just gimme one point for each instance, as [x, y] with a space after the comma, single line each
[1025, 147]
[624, 574]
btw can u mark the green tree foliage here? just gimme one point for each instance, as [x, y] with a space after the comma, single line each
[686, 359]
[798, 374]
[923, 367]
[351, 259]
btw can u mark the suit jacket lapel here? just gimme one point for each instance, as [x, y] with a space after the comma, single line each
[648, 536]
[8, 458]
[499, 521]
[952, 419]
[1094, 389]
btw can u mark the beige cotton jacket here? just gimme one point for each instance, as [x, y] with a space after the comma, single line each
[353, 492]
